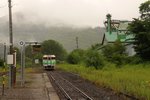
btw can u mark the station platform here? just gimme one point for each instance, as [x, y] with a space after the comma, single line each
[36, 87]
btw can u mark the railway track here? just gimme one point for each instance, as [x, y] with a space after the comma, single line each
[70, 91]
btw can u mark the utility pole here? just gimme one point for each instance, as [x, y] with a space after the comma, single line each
[10, 27]
[22, 64]
[77, 43]
[11, 71]
[5, 53]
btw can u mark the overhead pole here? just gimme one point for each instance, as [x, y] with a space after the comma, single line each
[10, 26]
[11, 71]
[5, 52]
[77, 42]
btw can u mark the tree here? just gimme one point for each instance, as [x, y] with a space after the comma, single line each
[140, 27]
[76, 56]
[96, 47]
[28, 51]
[53, 47]
[145, 9]
[38, 56]
[94, 59]
[115, 53]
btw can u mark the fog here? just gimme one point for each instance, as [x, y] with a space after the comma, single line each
[31, 18]
[80, 13]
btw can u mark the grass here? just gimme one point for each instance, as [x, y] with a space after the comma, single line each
[5, 77]
[37, 69]
[130, 79]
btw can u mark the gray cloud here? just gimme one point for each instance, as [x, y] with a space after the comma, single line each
[74, 12]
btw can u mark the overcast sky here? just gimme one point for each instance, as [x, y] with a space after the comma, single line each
[74, 12]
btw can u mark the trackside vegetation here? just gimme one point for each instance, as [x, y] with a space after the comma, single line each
[47, 47]
[106, 66]
[133, 80]
[110, 66]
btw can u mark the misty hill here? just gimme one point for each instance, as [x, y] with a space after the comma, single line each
[28, 30]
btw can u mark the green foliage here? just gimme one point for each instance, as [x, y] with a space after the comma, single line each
[141, 29]
[38, 56]
[29, 62]
[94, 59]
[96, 47]
[29, 56]
[28, 51]
[48, 47]
[145, 9]
[33, 55]
[53, 47]
[133, 60]
[76, 56]
[142, 39]
[129, 79]
[115, 53]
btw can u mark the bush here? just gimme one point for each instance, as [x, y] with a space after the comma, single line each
[94, 59]
[29, 62]
[119, 59]
[76, 56]
[134, 60]
[115, 53]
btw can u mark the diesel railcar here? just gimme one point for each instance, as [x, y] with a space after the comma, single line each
[49, 62]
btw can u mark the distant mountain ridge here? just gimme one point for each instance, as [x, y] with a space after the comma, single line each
[25, 30]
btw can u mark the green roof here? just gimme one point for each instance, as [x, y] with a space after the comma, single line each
[119, 33]
[118, 36]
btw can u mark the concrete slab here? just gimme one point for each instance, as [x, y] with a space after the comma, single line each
[53, 96]
[37, 87]
[50, 90]
[46, 78]
[48, 84]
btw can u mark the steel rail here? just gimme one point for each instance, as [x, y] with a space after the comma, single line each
[60, 87]
[127, 95]
[76, 88]
[85, 95]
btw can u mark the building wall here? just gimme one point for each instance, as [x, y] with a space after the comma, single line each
[130, 50]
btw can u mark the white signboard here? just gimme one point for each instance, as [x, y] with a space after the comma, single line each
[22, 43]
[36, 61]
[10, 59]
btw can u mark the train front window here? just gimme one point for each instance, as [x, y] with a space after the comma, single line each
[44, 58]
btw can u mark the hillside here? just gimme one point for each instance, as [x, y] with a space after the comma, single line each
[25, 30]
